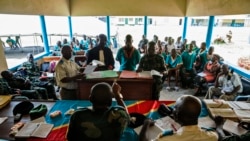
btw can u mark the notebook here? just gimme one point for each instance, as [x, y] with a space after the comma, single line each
[40, 130]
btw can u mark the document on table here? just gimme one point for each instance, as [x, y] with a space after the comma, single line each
[102, 74]
[245, 114]
[2, 119]
[145, 74]
[219, 103]
[206, 122]
[97, 62]
[40, 130]
[162, 124]
[89, 69]
[233, 127]
[129, 74]
[239, 105]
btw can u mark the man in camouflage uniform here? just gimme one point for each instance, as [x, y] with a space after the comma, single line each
[30, 71]
[153, 61]
[30, 68]
[103, 122]
[23, 87]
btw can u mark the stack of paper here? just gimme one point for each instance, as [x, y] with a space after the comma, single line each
[220, 107]
[102, 74]
[162, 124]
[128, 74]
[233, 127]
[227, 113]
[218, 103]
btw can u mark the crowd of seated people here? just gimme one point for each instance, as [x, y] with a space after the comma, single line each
[182, 60]
[28, 78]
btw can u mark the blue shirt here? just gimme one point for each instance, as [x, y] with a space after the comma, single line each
[172, 63]
[128, 62]
[188, 59]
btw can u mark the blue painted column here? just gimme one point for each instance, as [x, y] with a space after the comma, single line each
[108, 28]
[44, 34]
[70, 28]
[210, 30]
[184, 32]
[145, 26]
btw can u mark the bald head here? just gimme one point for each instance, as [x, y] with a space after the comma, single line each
[225, 68]
[66, 52]
[101, 95]
[187, 110]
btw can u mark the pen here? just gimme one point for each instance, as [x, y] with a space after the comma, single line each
[173, 127]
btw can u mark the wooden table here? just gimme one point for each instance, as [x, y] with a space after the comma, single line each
[7, 112]
[132, 89]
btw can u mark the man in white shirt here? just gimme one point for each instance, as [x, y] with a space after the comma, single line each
[186, 112]
[227, 85]
[67, 71]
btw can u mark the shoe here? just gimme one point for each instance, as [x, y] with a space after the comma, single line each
[176, 88]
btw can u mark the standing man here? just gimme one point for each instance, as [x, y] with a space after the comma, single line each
[128, 56]
[67, 71]
[227, 85]
[102, 53]
[153, 61]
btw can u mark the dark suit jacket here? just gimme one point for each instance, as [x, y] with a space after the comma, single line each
[93, 54]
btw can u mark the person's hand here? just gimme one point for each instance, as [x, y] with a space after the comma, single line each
[219, 121]
[116, 87]
[149, 122]
[117, 90]
[18, 91]
[228, 93]
[110, 67]
[79, 76]
[27, 82]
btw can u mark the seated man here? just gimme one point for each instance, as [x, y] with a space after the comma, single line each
[19, 83]
[227, 85]
[30, 68]
[153, 61]
[128, 56]
[173, 64]
[102, 53]
[186, 112]
[103, 122]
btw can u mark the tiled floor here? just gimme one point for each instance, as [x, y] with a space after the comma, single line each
[173, 95]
